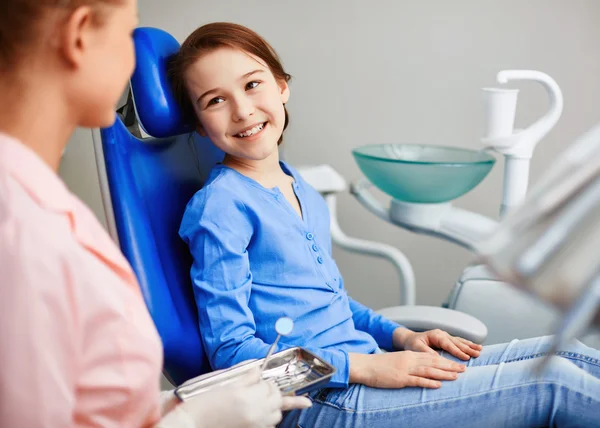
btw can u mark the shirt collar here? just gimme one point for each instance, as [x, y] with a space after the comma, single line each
[37, 178]
[273, 191]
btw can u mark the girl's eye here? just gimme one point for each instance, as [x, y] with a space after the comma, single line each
[216, 100]
[252, 85]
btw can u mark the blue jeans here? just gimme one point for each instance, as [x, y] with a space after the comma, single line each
[500, 388]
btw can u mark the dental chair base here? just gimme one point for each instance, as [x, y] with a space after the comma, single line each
[508, 312]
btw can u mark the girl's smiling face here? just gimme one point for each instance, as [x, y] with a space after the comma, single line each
[238, 101]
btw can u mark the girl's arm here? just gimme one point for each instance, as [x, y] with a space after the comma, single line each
[392, 336]
[385, 332]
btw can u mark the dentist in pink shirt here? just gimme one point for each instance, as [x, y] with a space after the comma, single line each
[77, 345]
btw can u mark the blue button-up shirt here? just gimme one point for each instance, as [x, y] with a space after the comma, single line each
[256, 260]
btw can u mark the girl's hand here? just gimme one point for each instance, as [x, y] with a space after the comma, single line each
[426, 341]
[402, 369]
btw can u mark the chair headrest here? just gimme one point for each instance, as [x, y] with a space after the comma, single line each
[158, 112]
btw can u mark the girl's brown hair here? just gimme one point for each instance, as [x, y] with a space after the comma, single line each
[217, 35]
[20, 24]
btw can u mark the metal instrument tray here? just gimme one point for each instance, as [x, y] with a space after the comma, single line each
[296, 371]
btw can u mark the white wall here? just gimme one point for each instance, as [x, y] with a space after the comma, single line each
[400, 71]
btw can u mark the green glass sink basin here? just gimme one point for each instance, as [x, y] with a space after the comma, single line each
[423, 173]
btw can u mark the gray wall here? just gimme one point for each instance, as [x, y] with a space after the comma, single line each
[400, 71]
[78, 170]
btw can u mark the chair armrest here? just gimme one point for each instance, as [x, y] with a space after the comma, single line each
[422, 318]
[323, 178]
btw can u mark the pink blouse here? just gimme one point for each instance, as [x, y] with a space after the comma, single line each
[77, 345]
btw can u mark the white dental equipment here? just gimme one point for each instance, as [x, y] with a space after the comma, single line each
[548, 246]
[435, 215]
[423, 180]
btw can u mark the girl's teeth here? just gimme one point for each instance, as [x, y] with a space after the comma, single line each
[252, 131]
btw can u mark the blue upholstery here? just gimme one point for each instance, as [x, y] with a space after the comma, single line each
[150, 184]
[157, 109]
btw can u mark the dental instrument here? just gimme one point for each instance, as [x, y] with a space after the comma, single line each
[283, 327]
[295, 371]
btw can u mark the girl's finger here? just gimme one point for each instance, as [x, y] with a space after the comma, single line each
[466, 348]
[433, 373]
[428, 349]
[445, 364]
[422, 347]
[422, 382]
[475, 346]
[450, 346]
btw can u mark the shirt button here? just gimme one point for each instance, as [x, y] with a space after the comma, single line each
[309, 236]
[315, 248]
[320, 260]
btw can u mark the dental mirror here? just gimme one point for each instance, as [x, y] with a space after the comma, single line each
[283, 327]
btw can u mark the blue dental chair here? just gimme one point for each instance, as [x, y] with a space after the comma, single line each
[149, 185]
[146, 184]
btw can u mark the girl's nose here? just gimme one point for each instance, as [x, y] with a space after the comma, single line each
[243, 107]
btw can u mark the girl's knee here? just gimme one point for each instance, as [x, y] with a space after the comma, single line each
[560, 371]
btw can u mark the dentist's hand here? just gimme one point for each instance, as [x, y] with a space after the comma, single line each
[249, 402]
[402, 369]
[428, 340]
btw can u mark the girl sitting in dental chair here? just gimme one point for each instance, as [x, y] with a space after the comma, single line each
[260, 239]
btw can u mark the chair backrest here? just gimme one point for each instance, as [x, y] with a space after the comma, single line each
[150, 183]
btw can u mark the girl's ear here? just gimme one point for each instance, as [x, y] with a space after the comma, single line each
[285, 91]
[200, 130]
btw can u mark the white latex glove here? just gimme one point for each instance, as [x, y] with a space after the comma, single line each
[249, 402]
